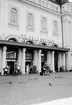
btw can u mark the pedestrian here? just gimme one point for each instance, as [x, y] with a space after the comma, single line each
[6, 70]
[27, 68]
[46, 69]
[18, 68]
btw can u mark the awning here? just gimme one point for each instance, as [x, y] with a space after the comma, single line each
[33, 46]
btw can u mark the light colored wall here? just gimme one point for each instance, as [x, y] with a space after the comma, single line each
[23, 9]
[67, 31]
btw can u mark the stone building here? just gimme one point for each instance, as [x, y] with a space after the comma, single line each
[34, 32]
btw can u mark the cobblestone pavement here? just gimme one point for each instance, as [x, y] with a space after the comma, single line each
[32, 88]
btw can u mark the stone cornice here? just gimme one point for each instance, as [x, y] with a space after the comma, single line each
[38, 6]
[67, 13]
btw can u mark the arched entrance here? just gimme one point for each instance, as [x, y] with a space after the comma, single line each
[11, 56]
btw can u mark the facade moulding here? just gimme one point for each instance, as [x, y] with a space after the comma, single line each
[38, 6]
[37, 40]
[66, 13]
[18, 39]
[25, 45]
[0, 38]
[65, 20]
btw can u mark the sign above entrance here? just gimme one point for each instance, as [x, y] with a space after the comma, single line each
[37, 40]
[11, 55]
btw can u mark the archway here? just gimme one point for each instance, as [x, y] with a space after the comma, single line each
[55, 45]
[12, 40]
[29, 42]
[44, 44]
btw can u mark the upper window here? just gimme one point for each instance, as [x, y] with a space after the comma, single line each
[14, 15]
[30, 19]
[44, 23]
[43, 3]
[39, 1]
[55, 27]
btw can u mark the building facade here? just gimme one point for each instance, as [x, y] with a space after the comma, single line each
[34, 32]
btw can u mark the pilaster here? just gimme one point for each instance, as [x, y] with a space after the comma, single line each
[0, 59]
[23, 60]
[39, 61]
[49, 58]
[64, 61]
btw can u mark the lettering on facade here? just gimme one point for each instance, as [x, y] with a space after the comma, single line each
[37, 40]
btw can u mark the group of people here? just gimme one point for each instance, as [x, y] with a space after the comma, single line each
[6, 70]
[15, 71]
[45, 70]
[28, 68]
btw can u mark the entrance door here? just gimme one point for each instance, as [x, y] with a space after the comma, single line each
[56, 61]
[11, 65]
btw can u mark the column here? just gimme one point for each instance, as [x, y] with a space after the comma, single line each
[39, 61]
[68, 61]
[64, 61]
[53, 61]
[49, 58]
[0, 59]
[35, 59]
[23, 60]
[19, 57]
[4, 58]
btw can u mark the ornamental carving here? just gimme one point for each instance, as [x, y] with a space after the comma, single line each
[37, 40]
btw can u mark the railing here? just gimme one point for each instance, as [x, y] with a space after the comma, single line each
[44, 3]
[67, 8]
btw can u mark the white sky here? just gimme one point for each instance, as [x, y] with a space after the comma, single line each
[70, 0]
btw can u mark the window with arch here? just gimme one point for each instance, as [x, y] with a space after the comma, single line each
[12, 40]
[44, 23]
[55, 27]
[30, 20]
[39, 1]
[14, 15]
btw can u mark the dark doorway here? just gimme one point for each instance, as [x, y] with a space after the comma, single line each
[11, 65]
[43, 58]
[56, 61]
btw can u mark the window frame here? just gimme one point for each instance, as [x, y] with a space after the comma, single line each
[44, 23]
[55, 26]
[14, 15]
[30, 19]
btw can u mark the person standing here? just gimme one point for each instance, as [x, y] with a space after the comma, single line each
[27, 68]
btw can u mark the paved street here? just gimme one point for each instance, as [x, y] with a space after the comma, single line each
[34, 89]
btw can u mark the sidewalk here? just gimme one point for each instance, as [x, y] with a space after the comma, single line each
[65, 101]
[34, 89]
